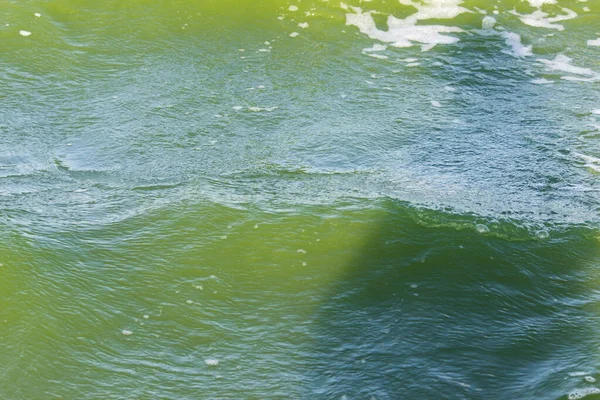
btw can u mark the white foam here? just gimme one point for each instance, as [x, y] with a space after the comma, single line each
[488, 22]
[294, 34]
[514, 41]
[542, 81]
[37, 14]
[581, 393]
[293, 8]
[540, 19]
[211, 361]
[562, 63]
[597, 112]
[303, 25]
[595, 42]
[126, 332]
[436, 103]
[539, 3]
[590, 379]
[590, 162]
[376, 47]
[24, 33]
[405, 32]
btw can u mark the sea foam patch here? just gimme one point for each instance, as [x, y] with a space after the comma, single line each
[406, 32]
[541, 19]
[595, 42]
[562, 63]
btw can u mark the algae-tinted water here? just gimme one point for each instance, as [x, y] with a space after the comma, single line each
[299, 199]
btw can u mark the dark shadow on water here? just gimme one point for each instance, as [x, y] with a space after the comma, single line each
[447, 313]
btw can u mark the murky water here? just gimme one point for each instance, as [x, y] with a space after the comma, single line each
[299, 199]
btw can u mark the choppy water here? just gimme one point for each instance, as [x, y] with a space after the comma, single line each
[299, 199]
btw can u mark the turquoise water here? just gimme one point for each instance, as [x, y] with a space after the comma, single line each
[304, 200]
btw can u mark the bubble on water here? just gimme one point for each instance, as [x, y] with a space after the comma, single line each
[590, 379]
[294, 34]
[542, 234]
[301, 251]
[126, 332]
[293, 8]
[581, 393]
[303, 25]
[24, 33]
[211, 361]
[481, 228]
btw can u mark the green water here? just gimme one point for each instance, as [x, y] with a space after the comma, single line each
[299, 199]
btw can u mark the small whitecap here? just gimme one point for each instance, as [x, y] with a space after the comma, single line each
[189, 301]
[146, 316]
[596, 112]
[237, 108]
[301, 251]
[211, 361]
[481, 228]
[294, 34]
[293, 8]
[256, 226]
[198, 287]
[37, 14]
[126, 332]
[304, 264]
[414, 285]
[436, 103]
[281, 18]
[303, 25]
[24, 33]
[450, 88]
